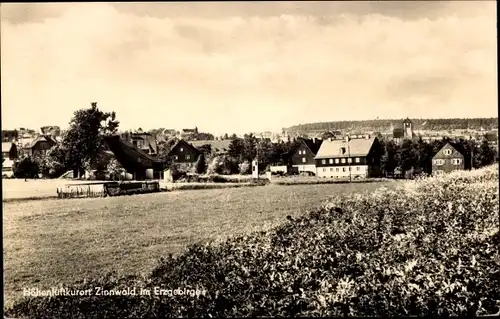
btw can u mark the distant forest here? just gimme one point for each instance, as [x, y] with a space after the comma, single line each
[385, 125]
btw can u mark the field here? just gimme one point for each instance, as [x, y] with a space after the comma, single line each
[57, 242]
[15, 189]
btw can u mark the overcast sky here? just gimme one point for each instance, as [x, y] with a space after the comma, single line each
[247, 66]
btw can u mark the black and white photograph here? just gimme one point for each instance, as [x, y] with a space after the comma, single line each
[250, 159]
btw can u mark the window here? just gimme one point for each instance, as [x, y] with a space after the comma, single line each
[343, 160]
[324, 169]
[349, 160]
[349, 168]
[182, 149]
[188, 157]
[357, 168]
[342, 150]
[439, 162]
[456, 161]
[337, 169]
[323, 161]
[447, 152]
[357, 160]
[330, 161]
[176, 157]
[331, 169]
[303, 159]
[343, 169]
[336, 161]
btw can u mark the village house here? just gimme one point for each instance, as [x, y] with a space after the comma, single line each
[39, 146]
[138, 164]
[447, 159]
[303, 157]
[188, 133]
[353, 158]
[146, 142]
[9, 151]
[491, 138]
[9, 135]
[183, 152]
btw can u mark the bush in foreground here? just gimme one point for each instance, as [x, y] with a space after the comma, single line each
[427, 248]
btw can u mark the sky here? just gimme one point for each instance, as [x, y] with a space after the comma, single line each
[239, 67]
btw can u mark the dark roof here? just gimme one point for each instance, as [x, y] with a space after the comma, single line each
[491, 137]
[129, 156]
[397, 132]
[42, 138]
[190, 146]
[217, 145]
[407, 120]
[313, 145]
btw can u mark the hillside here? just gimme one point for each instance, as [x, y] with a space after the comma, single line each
[385, 125]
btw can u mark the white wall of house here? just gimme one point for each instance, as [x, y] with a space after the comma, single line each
[281, 168]
[306, 168]
[343, 171]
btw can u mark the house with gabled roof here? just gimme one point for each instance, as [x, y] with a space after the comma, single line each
[359, 157]
[9, 150]
[447, 159]
[183, 152]
[40, 145]
[303, 157]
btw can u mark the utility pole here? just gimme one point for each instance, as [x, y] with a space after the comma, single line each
[257, 146]
[349, 157]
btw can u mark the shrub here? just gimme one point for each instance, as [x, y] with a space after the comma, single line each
[26, 167]
[245, 168]
[215, 166]
[429, 247]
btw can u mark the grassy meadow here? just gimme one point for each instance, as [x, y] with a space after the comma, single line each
[51, 242]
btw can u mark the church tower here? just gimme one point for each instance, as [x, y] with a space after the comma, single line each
[408, 129]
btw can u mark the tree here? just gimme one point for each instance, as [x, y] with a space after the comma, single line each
[26, 167]
[164, 148]
[114, 170]
[84, 138]
[53, 163]
[237, 149]
[486, 154]
[205, 149]
[201, 166]
[389, 160]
